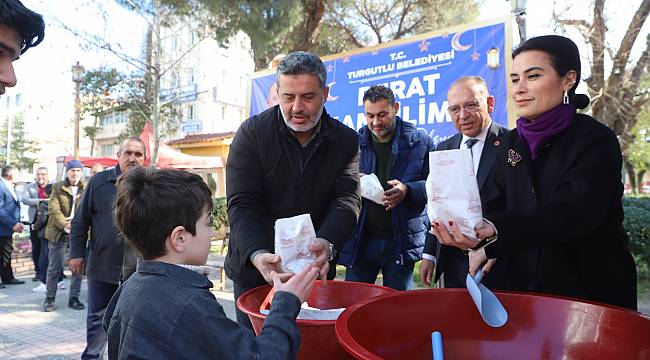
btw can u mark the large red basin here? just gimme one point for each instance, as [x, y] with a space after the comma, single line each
[318, 339]
[399, 326]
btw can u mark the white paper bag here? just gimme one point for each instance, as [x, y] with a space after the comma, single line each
[311, 313]
[452, 190]
[292, 239]
[371, 188]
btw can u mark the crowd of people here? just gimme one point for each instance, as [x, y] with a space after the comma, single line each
[550, 191]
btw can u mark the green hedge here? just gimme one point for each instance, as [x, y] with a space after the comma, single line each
[637, 226]
[219, 212]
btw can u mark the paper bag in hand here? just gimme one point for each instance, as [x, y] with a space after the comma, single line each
[292, 239]
[452, 190]
[371, 188]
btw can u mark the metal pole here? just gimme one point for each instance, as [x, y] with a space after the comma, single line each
[8, 157]
[521, 24]
[77, 118]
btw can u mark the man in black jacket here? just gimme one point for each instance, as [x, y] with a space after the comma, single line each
[469, 105]
[289, 160]
[110, 258]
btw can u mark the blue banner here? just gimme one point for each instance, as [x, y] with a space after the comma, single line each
[419, 71]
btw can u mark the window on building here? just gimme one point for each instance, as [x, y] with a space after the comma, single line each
[223, 112]
[19, 100]
[190, 76]
[190, 112]
[108, 150]
[174, 80]
[8, 102]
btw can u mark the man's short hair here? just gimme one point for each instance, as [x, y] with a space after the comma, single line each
[302, 62]
[475, 80]
[28, 24]
[136, 139]
[378, 92]
[151, 202]
[7, 169]
[42, 168]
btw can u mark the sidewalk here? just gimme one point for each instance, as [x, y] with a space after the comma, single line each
[28, 333]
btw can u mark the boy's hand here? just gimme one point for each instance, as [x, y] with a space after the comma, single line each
[266, 264]
[426, 271]
[300, 284]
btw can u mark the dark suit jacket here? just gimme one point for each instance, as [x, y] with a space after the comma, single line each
[9, 211]
[450, 260]
[559, 217]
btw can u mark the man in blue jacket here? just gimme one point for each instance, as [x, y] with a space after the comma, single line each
[389, 237]
[9, 223]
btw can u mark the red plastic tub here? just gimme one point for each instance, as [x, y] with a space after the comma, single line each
[399, 326]
[318, 340]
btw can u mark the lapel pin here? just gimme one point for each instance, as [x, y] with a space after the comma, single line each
[513, 157]
[497, 142]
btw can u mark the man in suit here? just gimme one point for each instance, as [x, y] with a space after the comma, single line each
[470, 105]
[9, 223]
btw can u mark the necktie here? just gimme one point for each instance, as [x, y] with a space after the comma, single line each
[470, 143]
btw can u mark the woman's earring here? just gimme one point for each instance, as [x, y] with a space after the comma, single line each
[565, 98]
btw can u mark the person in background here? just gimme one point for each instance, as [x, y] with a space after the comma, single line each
[107, 258]
[33, 194]
[555, 220]
[389, 237]
[40, 224]
[9, 223]
[165, 309]
[64, 203]
[470, 105]
[96, 168]
[20, 29]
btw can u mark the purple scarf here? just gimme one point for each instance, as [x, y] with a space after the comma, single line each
[536, 133]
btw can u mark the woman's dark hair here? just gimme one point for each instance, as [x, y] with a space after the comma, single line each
[564, 56]
[28, 24]
[151, 202]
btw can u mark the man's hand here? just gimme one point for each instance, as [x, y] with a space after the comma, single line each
[67, 227]
[426, 271]
[299, 284]
[477, 259]
[395, 195]
[18, 227]
[267, 264]
[321, 249]
[452, 236]
[77, 265]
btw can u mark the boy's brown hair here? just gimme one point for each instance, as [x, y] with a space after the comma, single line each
[151, 202]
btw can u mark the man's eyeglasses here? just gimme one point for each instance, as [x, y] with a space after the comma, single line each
[470, 107]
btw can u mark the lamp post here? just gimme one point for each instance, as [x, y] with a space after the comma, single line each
[519, 10]
[77, 78]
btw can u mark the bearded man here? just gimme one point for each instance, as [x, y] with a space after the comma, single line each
[291, 159]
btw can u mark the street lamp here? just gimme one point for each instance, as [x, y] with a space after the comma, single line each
[77, 78]
[519, 10]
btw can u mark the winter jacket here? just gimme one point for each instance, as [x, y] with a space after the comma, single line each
[410, 154]
[266, 179]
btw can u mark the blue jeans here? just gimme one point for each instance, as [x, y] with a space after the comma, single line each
[378, 254]
[99, 294]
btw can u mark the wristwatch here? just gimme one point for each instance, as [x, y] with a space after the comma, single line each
[485, 242]
[332, 251]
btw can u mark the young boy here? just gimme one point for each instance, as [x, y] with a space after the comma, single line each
[166, 310]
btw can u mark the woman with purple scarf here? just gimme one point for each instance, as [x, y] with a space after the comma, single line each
[554, 222]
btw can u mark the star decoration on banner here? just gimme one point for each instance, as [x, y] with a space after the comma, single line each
[424, 46]
[346, 58]
[445, 35]
[475, 56]
[330, 67]
[375, 52]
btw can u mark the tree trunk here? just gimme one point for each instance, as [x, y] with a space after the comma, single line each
[639, 181]
[314, 10]
[629, 168]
